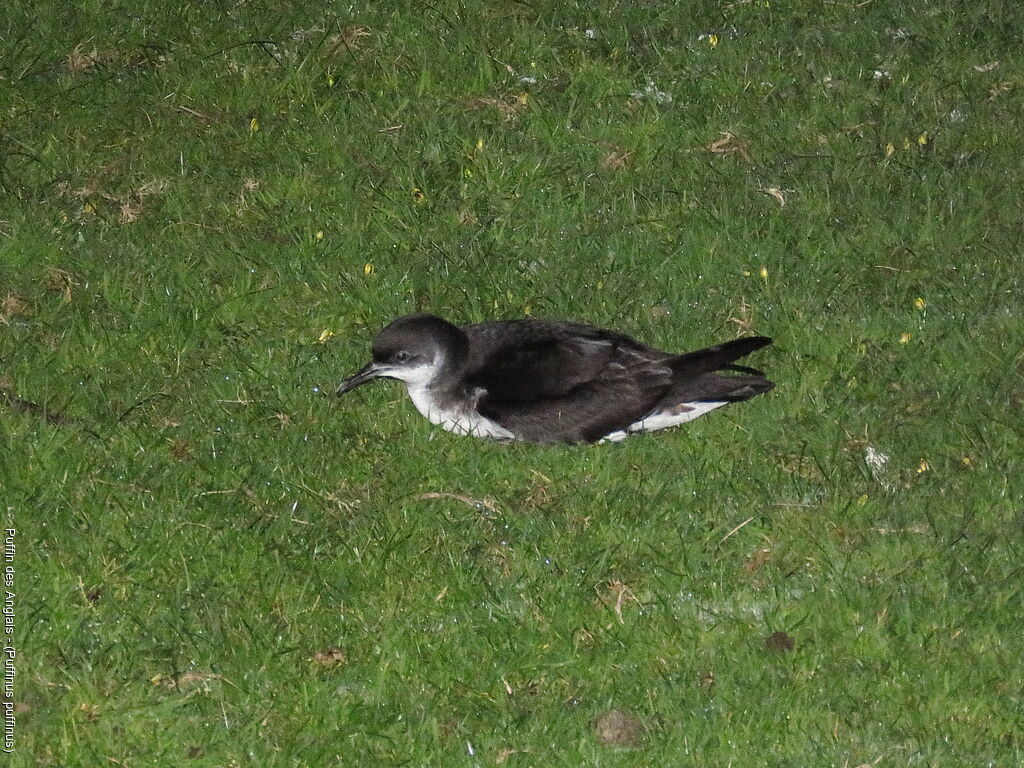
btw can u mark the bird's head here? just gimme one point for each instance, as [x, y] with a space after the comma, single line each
[413, 349]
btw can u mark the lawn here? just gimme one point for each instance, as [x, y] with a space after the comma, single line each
[209, 208]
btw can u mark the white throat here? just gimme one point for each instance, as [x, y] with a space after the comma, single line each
[459, 418]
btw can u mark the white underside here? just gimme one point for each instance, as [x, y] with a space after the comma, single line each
[658, 421]
[466, 421]
[470, 422]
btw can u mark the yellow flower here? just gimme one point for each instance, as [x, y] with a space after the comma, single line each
[890, 150]
[919, 303]
[923, 466]
[417, 195]
[713, 41]
[905, 338]
[764, 273]
[368, 268]
[324, 336]
[479, 144]
[923, 138]
[522, 98]
[319, 235]
[254, 125]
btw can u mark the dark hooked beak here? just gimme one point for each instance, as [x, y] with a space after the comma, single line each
[368, 372]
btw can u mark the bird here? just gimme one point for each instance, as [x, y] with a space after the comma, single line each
[547, 381]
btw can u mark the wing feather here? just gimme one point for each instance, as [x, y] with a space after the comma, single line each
[542, 368]
[621, 385]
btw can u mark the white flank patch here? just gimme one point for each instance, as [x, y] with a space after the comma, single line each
[663, 420]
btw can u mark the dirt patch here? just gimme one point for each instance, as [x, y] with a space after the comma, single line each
[14, 305]
[779, 642]
[329, 658]
[618, 728]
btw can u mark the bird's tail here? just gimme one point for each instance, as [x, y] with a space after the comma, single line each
[696, 376]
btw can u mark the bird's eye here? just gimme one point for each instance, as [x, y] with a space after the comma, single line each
[401, 356]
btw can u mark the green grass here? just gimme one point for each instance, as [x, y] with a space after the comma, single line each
[166, 172]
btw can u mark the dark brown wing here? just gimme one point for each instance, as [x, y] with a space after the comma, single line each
[541, 368]
[588, 392]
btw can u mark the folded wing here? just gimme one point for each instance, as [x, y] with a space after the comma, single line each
[570, 387]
